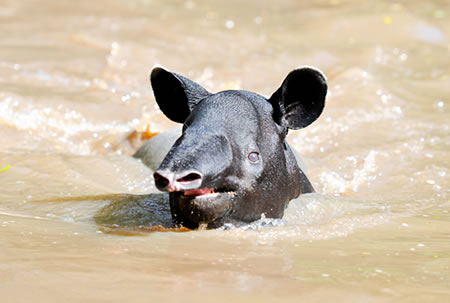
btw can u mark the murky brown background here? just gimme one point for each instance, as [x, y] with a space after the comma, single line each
[74, 83]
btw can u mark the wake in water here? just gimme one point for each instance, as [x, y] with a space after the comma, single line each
[311, 216]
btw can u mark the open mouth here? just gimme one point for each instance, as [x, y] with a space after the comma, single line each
[198, 192]
[206, 192]
[202, 205]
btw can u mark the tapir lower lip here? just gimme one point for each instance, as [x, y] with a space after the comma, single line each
[198, 192]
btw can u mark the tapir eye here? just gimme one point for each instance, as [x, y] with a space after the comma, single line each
[253, 157]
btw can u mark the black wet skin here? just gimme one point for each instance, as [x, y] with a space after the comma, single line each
[233, 143]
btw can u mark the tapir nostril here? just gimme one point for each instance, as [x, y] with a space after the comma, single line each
[160, 181]
[190, 177]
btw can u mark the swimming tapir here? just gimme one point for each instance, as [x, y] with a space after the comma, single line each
[230, 162]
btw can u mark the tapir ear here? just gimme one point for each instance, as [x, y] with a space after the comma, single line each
[300, 99]
[176, 95]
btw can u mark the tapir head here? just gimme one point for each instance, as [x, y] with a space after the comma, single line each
[232, 163]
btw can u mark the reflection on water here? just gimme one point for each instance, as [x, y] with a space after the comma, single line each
[74, 85]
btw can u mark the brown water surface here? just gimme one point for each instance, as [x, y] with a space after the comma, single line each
[74, 84]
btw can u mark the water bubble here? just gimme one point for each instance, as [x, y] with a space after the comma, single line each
[125, 98]
[229, 24]
[397, 110]
[439, 105]
[385, 98]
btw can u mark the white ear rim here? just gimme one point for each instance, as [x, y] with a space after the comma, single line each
[157, 65]
[315, 69]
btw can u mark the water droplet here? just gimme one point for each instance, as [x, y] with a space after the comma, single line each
[397, 110]
[229, 24]
[439, 105]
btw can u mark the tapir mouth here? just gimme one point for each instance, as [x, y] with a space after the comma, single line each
[206, 192]
[204, 205]
[198, 192]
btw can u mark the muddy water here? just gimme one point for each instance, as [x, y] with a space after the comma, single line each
[74, 85]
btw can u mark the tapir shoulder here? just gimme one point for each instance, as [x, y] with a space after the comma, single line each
[153, 151]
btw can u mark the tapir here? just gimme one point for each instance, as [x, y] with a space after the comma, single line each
[230, 162]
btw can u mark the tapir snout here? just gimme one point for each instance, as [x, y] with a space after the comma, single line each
[166, 180]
